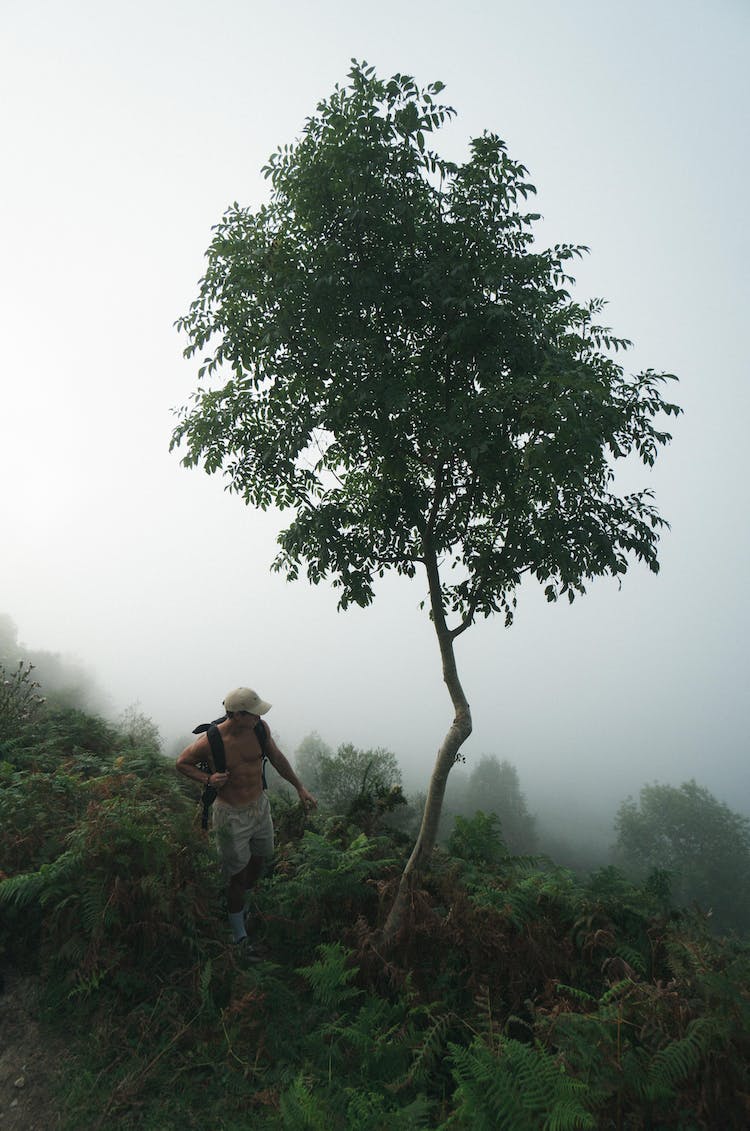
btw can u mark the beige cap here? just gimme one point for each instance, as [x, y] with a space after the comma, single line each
[244, 699]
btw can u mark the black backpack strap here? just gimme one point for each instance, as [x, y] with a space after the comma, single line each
[203, 727]
[216, 742]
[262, 732]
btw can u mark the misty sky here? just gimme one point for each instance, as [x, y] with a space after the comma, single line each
[127, 129]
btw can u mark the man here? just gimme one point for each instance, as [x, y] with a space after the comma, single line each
[241, 813]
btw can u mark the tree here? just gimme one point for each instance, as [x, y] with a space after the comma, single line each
[698, 839]
[307, 759]
[350, 772]
[138, 731]
[493, 787]
[392, 360]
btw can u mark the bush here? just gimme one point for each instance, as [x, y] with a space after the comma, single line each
[19, 698]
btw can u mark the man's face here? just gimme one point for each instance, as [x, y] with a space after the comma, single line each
[245, 720]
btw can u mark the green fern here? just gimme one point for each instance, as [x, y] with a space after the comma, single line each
[428, 1048]
[47, 885]
[677, 1060]
[521, 1088]
[373, 1111]
[300, 1110]
[577, 994]
[329, 978]
[633, 957]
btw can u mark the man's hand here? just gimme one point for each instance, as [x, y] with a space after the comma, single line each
[218, 780]
[306, 798]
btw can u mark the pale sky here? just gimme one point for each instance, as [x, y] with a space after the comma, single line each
[127, 129]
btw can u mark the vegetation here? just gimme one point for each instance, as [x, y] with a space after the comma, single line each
[523, 997]
[400, 367]
[65, 682]
[699, 841]
[19, 698]
[339, 779]
[361, 785]
[494, 787]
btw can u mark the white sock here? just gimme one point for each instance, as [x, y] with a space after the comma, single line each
[237, 923]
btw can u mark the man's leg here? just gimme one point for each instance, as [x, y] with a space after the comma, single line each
[236, 892]
[238, 886]
[236, 905]
[242, 883]
[261, 849]
[253, 871]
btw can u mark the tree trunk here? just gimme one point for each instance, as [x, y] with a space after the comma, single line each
[458, 732]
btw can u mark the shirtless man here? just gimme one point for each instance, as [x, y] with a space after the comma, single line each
[241, 812]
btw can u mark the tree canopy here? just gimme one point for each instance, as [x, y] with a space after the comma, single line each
[389, 356]
[409, 373]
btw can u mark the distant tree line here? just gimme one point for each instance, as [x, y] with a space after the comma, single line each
[681, 838]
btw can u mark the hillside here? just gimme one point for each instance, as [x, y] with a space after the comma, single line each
[519, 995]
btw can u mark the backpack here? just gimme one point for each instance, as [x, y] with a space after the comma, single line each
[216, 742]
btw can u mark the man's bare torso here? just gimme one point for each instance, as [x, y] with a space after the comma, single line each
[244, 761]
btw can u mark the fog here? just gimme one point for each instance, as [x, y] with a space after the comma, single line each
[127, 131]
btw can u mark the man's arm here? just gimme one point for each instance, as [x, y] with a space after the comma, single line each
[283, 767]
[187, 764]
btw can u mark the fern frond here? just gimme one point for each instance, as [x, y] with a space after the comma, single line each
[617, 991]
[677, 1060]
[299, 1108]
[579, 995]
[429, 1049]
[42, 885]
[329, 977]
[520, 1089]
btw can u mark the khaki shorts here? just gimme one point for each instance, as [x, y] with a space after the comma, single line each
[242, 833]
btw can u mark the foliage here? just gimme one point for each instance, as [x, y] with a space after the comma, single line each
[515, 1088]
[339, 779]
[477, 840]
[494, 787]
[109, 872]
[60, 732]
[323, 879]
[307, 759]
[361, 786]
[38, 810]
[700, 841]
[524, 997]
[138, 730]
[406, 373]
[19, 701]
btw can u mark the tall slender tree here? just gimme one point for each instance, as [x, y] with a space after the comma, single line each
[388, 356]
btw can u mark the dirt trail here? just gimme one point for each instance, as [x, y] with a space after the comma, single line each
[29, 1061]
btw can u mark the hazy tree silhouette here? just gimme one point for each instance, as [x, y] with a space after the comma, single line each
[705, 846]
